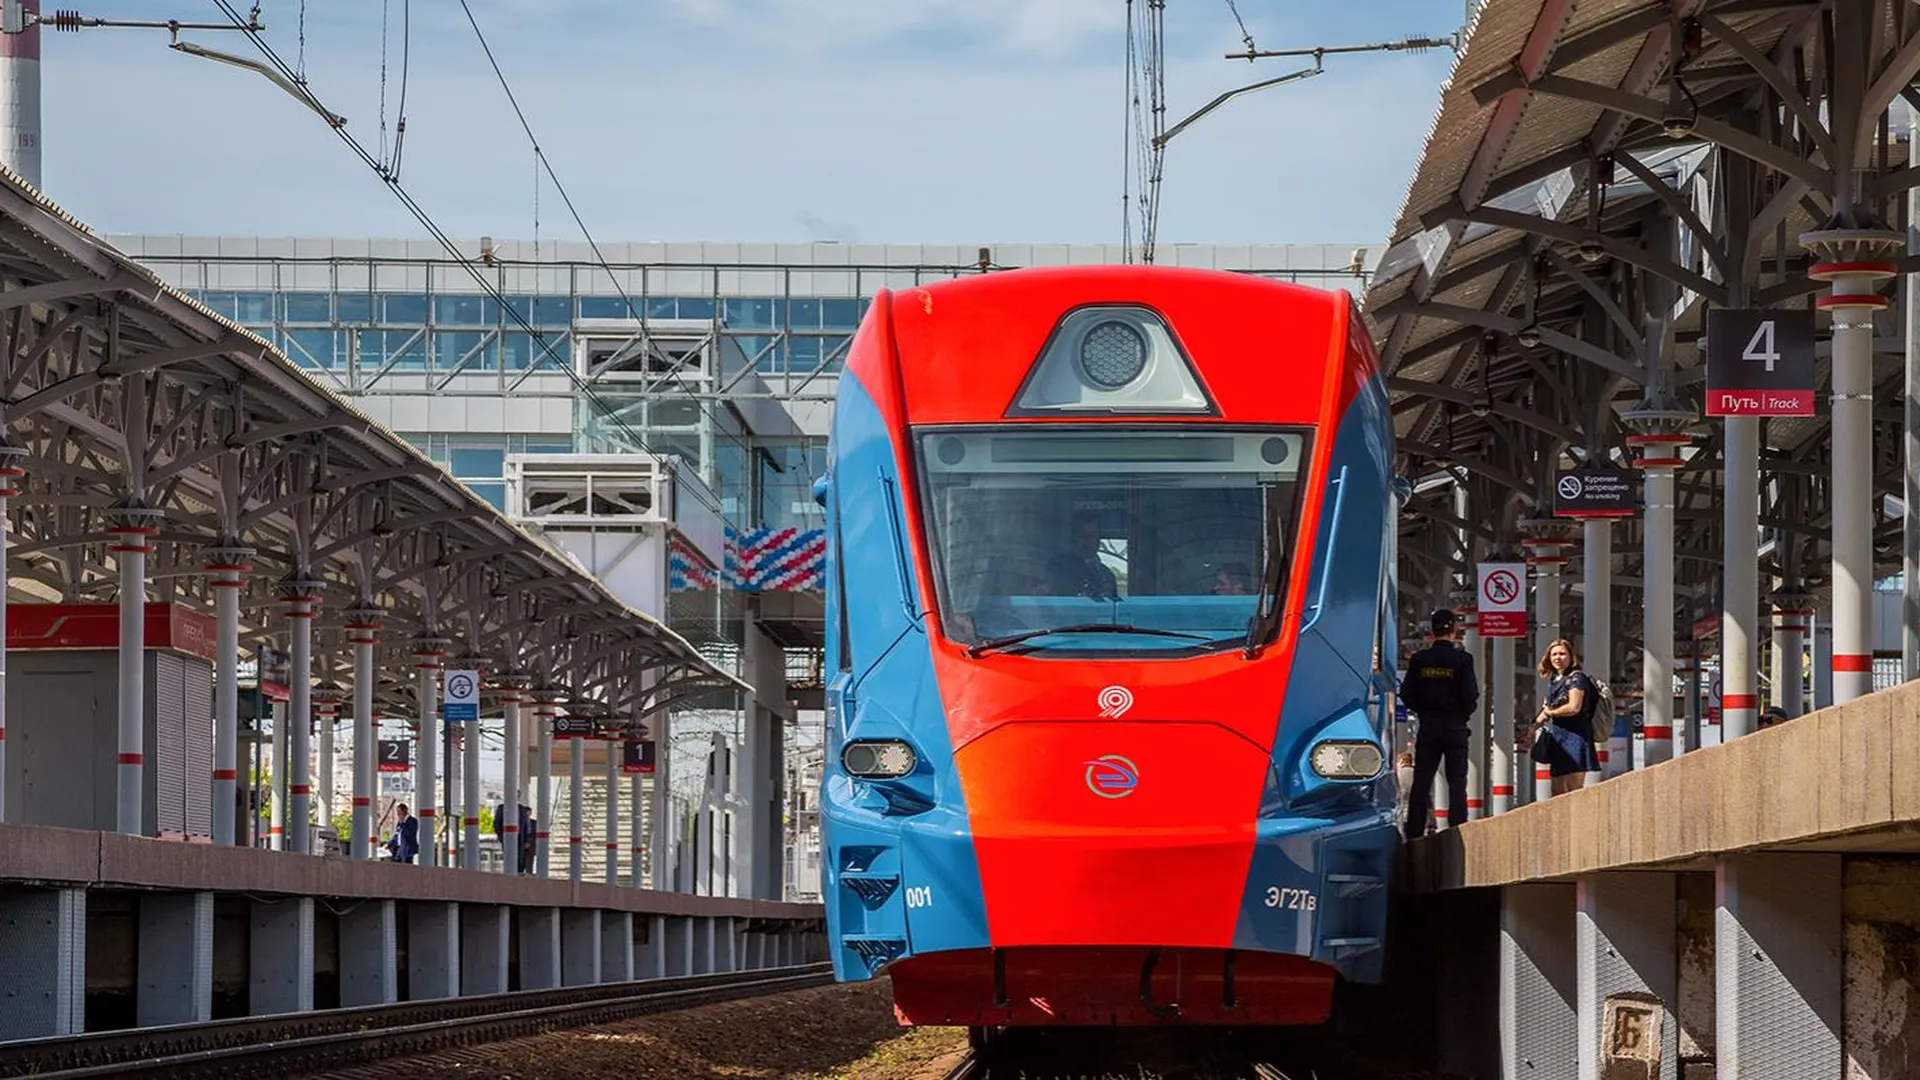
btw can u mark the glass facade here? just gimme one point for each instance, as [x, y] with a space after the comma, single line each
[480, 461]
[472, 333]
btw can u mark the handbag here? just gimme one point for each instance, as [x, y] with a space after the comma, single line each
[1544, 736]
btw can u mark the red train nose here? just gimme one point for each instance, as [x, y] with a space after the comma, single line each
[1112, 833]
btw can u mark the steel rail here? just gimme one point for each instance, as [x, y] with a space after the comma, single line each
[262, 1046]
[971, 1067]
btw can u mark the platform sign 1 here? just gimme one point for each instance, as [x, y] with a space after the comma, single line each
[1596, 492]
[395, 756]
[463, 697]
[1503, 599]
[636, 756]
[1759, 362]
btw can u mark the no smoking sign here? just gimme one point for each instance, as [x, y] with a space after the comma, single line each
[1503, 600]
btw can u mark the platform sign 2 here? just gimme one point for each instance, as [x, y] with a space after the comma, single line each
[395, 756]
[463, 697]
[1503, 599]
[1759, 362]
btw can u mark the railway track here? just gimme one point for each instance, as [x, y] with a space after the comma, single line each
[1151, 1054]
[308, 1042]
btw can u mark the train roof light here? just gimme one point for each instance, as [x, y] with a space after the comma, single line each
[1112, 359]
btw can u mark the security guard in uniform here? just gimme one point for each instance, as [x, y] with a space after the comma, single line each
[1441, 690]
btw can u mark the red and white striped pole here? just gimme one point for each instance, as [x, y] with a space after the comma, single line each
[363, 633]
[1854, 262]
[1792, 619]
[1659, 438]
[11, 475]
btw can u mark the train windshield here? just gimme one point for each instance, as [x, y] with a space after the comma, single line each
[1106, 539]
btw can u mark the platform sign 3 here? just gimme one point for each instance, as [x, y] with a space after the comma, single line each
[463, 697]
[1503, 600]
[1760, 362]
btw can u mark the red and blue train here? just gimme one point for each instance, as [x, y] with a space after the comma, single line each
[1110, 577]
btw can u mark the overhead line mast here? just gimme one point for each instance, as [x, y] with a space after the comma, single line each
[1154, 148]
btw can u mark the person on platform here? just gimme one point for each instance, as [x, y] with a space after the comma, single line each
[406, 835]
[1441, 691]
[1566, 721]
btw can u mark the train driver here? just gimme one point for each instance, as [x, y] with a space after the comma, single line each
[1233, 579]
[1077, 570]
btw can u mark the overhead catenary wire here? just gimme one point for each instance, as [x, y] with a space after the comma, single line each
[433, 228]
[1245, 34]
[1146, 97]
[541, 157]
[553, 177]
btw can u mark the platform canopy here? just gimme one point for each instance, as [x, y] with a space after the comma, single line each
[127, 404]
[1598, 175]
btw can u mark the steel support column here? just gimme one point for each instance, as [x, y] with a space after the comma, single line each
[363, 633]
[277, 815]
[1597, 630]
[545, 708]
[1792, 611]
[1740, 586]
[1658, 444]
[1910, 447]
[1854, 261]
[513, 693]
[613, 812]
[300, 594]
[576, 807]
[470, 771]
[429, 653]
[10, 479]
[1501, 690]
[637, 849]
[136, 528]
[228, 564]
[326, 710]
[1481, 775]
[1546, 542]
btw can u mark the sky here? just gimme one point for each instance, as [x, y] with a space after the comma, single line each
[871, 121]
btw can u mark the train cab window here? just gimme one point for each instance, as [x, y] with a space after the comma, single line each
[1162, 536]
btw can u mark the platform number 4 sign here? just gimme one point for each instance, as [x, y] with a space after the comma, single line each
[1760, 363]
[1760, 348]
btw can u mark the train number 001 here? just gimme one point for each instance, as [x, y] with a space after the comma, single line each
[1291, 899]
[919, 896]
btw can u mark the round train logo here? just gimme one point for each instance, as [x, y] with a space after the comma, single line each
[1112, 776]
[1114, 702]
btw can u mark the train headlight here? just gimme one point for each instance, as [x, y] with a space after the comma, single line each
[1341, 759]
[1113, 354]
[878, 759]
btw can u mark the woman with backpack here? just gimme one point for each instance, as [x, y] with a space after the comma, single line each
[1563, 739]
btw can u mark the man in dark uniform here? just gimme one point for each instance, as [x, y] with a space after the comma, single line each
[1078, 571]
[1441, 690]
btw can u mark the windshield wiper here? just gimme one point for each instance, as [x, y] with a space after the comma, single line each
[1272, 565]
[979, 648]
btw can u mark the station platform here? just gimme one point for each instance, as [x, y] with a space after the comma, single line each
[1752, 907]
[102, 930]
[1832, 781]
